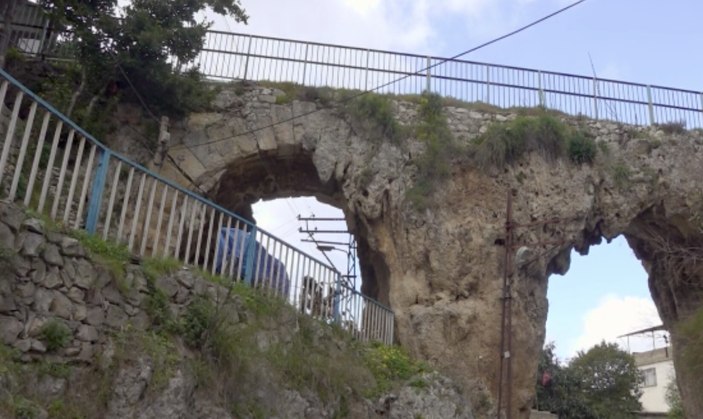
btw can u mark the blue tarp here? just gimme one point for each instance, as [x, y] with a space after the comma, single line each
[267, 270]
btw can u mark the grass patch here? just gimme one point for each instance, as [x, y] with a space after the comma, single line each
[673, 127]
[390, 365]
[581, 148]
[158, 347]
[622, 175]
[434, 165]
[154, 268]
[375, 113]
[55, 335]
[111, 255]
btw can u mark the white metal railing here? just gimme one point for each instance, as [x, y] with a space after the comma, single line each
[238, 56]
[31, 30]
[53, 166]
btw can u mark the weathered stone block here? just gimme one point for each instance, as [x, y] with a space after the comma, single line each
[87, 333]
[10, 329]
[51, 255]
[30, 243]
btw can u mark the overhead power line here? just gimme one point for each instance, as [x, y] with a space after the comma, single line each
[381, 86]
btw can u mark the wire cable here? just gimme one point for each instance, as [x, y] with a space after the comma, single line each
[381, 86]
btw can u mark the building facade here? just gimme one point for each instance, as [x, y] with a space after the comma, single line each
[657, 367]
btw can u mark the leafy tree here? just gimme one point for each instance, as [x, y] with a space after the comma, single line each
[150, 44]
[598, 384]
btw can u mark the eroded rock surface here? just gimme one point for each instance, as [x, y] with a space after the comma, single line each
[441, 269]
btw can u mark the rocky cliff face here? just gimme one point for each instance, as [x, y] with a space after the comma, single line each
[87, 332]
[441, 267]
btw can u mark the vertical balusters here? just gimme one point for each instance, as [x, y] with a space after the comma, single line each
[111, 203]
[86, 182]
[23, 151]
[37, 159]
[62, 174]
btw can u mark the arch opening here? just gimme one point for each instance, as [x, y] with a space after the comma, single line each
[274, 189]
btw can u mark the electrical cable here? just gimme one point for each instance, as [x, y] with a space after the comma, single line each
[381, 86]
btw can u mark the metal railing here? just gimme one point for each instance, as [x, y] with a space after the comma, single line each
[234, 56]
[53, 166]
[31, 30]
[237, 56]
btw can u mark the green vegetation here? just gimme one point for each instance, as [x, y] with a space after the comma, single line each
[391, 364]
[434, 165]
[111, 255]
[581, 148]
[154, 268]
[375, 113]
[504, 143]
[55, 335]
[673, 399]
[621, 175]
[602, 382]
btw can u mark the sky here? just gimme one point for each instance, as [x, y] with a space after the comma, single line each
[604, 294]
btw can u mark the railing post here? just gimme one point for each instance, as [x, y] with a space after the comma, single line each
[488, 84]
[249, 257]
[429, 75]
[595, 97]
[337, 298]
[650, 105]
[246, 62]
[305, 63]
[96, 194]
[368, 58]
[541, 90]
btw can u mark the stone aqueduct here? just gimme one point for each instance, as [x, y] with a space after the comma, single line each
[441, 269]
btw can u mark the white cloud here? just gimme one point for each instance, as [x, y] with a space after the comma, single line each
[615, 316]
[405, 25]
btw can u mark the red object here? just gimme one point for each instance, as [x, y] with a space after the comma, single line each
[546, 378]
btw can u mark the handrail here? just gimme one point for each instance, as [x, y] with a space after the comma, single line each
[106, 192]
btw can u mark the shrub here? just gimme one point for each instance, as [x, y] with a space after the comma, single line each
[433, 165]
[379, 111]
[55, 335]
[581, 148]
[197, 321]
[621, 174]
[390, 364]
[505, 143]
[112, 255]
[673, 127]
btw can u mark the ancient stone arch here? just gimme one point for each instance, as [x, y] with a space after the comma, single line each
[440, 268]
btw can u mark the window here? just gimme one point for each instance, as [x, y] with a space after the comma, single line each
[650, 377]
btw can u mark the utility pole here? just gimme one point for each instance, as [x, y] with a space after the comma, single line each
[505, 381]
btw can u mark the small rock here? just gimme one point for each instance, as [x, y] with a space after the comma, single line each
[168, 285]
[30, 243]
[51, 255]
[76, 295]
[23, 345]
[42, 300]
[267, 98]
[54, 237]
[112, 295]
[116, 317]
[34, 225]
[71, 247]
[185, 277]
[22, 266]
[26, 290]
[85, 274]
[10, 329]
[38, 270]
[38, 346]
[87, 352]
[87, 333]
[61, 306]
[7, 304]
[80, 313]
[12, 217]
[72, 351]
[52, 279]
[7, 237]
[95, 316]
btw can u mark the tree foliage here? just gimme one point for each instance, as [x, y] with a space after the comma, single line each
[600, 383]
[150, 44]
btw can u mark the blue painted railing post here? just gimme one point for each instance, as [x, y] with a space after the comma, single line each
[249, 256]
[96, 194]
[337, 300]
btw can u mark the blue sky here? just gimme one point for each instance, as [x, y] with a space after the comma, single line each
[649, 41]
